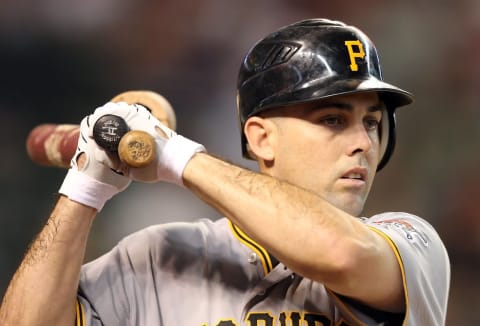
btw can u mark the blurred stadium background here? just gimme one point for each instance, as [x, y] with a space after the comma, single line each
[61, 59]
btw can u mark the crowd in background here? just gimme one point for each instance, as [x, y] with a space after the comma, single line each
[61, 59]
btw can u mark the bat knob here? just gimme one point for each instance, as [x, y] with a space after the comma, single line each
[108, 130]
[137, 149]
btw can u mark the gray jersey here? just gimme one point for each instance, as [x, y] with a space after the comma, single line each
[211, 274]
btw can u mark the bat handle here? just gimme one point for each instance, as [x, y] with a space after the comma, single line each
[136, 148]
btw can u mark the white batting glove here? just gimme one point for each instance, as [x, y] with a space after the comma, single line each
[97, 180]
[173, 150]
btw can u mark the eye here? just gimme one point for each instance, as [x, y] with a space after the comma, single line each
[332, 120]
[371, 123]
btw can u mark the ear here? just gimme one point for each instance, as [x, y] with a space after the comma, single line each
[260, 138]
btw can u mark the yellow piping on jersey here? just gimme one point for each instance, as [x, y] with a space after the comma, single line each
[258, 249]
[402, 268]
[80, 314]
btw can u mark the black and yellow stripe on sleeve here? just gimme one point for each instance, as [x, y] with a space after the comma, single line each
[79, 314]
[402, 268]
[258, 249]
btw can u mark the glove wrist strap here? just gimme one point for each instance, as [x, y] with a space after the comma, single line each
[176, 154]
[84, 189]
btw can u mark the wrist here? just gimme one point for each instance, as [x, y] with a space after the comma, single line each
[176, 154]
[83, 189]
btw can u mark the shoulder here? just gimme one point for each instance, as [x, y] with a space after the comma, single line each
[423, 260]
[393, 217]
[174, 234]
[410, 234]
[412, 228]
[160, 244]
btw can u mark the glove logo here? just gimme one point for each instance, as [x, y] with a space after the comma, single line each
[354, 55]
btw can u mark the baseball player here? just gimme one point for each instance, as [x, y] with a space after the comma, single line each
[292, 249]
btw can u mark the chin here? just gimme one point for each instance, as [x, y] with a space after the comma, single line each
[352, 206]
[357, 211]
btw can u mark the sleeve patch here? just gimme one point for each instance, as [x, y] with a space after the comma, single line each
[406, 229]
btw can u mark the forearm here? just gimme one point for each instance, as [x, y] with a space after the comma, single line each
[271, 211]
[304, 231]
[43, 290]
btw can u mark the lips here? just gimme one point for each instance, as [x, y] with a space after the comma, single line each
[355, 174]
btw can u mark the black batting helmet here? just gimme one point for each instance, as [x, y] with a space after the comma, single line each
[311, 60]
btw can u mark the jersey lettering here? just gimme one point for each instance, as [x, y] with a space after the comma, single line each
[260, 319]
[293, 318]
[354, 55]
[226, 323]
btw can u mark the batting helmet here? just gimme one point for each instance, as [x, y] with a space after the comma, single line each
[311, 60]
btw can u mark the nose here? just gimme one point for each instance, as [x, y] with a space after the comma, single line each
[359, 140]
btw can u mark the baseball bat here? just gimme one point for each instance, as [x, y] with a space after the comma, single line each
[55, 144]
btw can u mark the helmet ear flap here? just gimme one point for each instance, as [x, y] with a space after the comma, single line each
[387, 137]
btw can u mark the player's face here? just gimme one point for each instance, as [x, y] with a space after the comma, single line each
[331, 147]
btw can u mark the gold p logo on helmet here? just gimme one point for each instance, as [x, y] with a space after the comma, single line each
[354, 55]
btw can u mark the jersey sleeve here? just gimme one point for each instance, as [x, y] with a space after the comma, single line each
[103, 291]
[424, 263]
[112, 288]
[130, 285]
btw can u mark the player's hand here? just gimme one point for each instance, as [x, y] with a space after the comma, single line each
[94, 176]
[173, 151]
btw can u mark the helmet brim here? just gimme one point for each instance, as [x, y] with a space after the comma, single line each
[392, 96]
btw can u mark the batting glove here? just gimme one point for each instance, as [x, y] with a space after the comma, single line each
[173, 150]
[99, 179]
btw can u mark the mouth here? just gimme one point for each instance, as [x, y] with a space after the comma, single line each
[356, 174]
